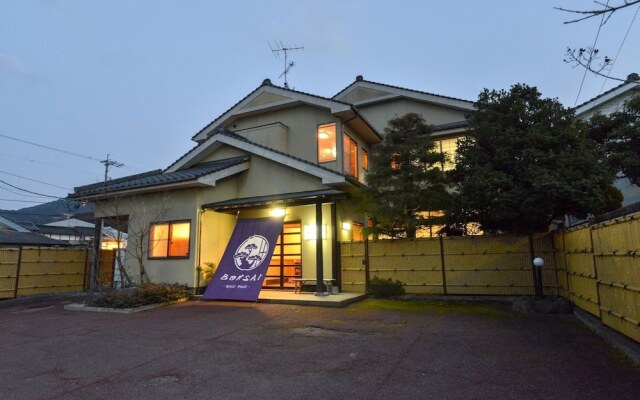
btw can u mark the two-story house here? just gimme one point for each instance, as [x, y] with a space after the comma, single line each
[276, 152]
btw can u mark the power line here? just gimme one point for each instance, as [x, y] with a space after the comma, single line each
[50, 148]
[28, 191]
[591, 58]
[25, 201]
[18, 193]
[33, 180]
[620, 48]
[44, 163]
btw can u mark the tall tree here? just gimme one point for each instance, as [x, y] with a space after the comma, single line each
[619, 134]
[526, 161]
[405, 178]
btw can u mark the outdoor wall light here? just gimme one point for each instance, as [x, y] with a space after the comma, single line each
[310, 232]
[277, 212]
[346, 226]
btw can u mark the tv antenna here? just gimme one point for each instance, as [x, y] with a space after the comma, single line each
[279, 47]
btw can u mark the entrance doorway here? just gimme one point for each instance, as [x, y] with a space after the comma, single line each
[286, 263]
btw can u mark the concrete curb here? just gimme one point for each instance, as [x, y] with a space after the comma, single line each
[86, 308]
[37, 299]
[627, 346]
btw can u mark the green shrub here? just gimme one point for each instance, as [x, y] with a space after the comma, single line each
[385, 288]
[144, 295]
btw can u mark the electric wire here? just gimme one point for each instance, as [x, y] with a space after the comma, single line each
[28, 191]
[45, 163]
[25, 201]
[50, 148]
[33, 180]
[591, 57]
[619, 48]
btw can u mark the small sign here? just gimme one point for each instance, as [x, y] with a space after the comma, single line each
[245, 261]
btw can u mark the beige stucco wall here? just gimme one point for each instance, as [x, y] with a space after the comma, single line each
[379, 114]
[362, 93]
[156, 207]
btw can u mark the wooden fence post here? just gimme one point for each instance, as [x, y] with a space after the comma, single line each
[366, 265]
[442, 264]
[15, 292]
[595, 270]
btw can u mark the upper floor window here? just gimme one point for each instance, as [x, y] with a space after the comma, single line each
[350, 156]
[326, 142]
[169, 239]
[365, 160]
[448, 147]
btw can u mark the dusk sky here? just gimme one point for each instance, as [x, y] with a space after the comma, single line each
[137, 79]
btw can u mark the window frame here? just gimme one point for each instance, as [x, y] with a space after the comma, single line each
[335, 137]
[352, 141]
[169, 236]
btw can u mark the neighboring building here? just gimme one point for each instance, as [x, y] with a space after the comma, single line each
[12, 234]
[608, 102]
[275, 151]
[8, 225]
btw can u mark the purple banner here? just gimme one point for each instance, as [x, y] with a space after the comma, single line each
[245, 261]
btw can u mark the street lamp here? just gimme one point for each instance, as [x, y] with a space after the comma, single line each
[538, 263]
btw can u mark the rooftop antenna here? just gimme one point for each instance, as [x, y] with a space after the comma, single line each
[279, 47]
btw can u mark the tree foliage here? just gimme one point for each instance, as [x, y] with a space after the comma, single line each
[405, 178]
[526, 161]
[619, 135]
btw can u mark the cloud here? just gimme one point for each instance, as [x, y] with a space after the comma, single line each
[13, 64]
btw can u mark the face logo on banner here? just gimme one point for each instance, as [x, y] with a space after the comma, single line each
[251, 253]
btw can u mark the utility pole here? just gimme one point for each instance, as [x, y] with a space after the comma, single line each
[109, 163]
[95, 266]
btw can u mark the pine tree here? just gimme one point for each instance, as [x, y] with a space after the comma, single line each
[405, 178]
[526, 161]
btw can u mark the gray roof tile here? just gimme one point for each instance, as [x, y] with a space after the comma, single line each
[156, 178]
[27, 238]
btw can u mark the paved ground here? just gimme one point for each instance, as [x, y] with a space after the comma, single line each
[268, 351]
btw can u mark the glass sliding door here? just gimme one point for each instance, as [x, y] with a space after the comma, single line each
[286, 263]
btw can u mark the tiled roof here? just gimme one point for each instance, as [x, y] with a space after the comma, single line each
[65, 230]
[402, 88]
[225, 132]
[450, 125]
[156, 178]
[606, 93]
[27, 238]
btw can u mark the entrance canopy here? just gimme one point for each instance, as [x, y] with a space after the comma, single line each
[284, 199]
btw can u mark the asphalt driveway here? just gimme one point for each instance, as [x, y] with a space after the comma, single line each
[199, 350]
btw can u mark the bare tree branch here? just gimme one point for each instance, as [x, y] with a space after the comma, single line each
[607, 11]
[586, 57]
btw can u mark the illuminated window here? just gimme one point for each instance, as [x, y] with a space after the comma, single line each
[448, 147]
[356, 231]
[326, 142]
[365, 160]
[169, 239]
[350, 156]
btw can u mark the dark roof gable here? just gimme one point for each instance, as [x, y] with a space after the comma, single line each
[156, 178]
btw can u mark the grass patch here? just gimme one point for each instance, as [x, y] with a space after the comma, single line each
[435, 307]
[142, 296]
